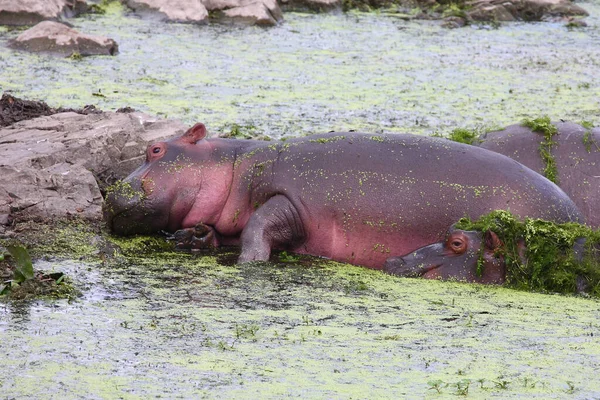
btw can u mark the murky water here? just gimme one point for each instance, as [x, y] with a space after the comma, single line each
[188, 327]
[316, 73]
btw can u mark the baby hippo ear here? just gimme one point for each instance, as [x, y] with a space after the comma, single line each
[195, 133]
[491, 240]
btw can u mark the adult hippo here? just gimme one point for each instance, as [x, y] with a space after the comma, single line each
[576, 153]
[351, 197]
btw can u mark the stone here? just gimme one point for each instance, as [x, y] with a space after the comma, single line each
[54, 167]
[260, 12]
[312, 5]
[183, 11]
[30, 12]
[522, 10]
[251, 14]
[54, 37]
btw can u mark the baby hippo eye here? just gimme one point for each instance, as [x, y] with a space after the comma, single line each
[457, 244]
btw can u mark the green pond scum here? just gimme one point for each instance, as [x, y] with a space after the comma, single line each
[152, 321]
[544, 126]
[318, 73]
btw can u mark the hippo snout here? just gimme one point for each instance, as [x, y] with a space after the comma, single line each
[393, 265]
[122, 202]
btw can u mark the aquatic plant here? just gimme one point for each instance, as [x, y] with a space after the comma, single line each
[544, 256]
[588, 139]
[466, 136]
[26, 283]
[544, 126]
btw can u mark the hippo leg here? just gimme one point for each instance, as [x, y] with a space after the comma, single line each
[275, 223]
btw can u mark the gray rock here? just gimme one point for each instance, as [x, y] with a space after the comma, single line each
[312, 5]
[251, 14]
[186, 11]
[54, 37]
[30, 12]
[49, 166]
[523, 10]
[259, 12]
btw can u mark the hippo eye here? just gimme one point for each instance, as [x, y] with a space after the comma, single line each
[457, 245]
[156, 150]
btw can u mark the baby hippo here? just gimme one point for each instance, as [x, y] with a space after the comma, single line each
[456, 258]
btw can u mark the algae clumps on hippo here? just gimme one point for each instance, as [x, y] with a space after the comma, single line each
[544, 256]
[544, 126]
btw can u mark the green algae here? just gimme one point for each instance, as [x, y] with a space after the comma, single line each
[551, 263]
[465, 136]
[587, 139]
[331, 139]
[544, 126]
[330, 73]
[183, 325]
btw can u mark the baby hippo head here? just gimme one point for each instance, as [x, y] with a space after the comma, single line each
[468, 256]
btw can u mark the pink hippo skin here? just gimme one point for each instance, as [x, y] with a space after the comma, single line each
[351, 197]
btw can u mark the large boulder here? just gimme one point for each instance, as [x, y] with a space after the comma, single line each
[251, 12]
[54, 37]
[521, 10]
[186, 11]
[30, 12]
[50, 166]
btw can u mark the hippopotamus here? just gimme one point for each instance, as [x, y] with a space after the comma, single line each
[478, 257]
[577, 157]
[351, 197]
[468, 256]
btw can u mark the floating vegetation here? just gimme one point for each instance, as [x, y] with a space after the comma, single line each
[544, 256]
[20, 281]
[544, 126]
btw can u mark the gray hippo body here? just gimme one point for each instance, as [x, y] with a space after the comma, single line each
[577, 157]
[357, 198]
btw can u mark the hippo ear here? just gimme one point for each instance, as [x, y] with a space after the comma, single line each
[491, 240]
[195, 133]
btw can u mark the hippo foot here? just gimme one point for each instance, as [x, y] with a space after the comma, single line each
[197, 238]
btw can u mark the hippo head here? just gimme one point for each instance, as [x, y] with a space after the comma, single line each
[457, 257]
[179, 185]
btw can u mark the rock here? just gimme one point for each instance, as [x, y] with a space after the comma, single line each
[58, 38]
[30, 12]
[491, 12]
[524, 10]
[49, 165]
[454, 22]
[312, 5]
[251, 14]
[259, 12]
[185, 11]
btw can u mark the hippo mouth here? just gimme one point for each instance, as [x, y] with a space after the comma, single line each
[399, 266]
